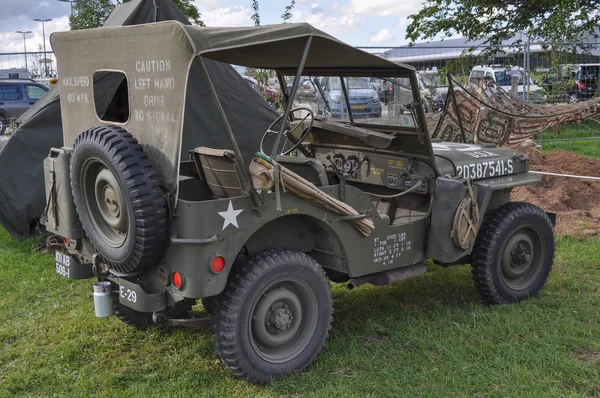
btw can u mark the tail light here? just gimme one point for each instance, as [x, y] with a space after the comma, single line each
[177, 280]
[217, 264]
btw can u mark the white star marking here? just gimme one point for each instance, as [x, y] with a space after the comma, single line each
[230, 216]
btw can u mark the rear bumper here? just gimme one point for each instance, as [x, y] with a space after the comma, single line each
[131, 294]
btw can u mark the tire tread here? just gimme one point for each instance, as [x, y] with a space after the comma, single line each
[486, 248]
[224, 322]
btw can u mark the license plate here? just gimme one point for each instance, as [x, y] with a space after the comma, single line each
[359, 107]
[63, 264]
[70, 268]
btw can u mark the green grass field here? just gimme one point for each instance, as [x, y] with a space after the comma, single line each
[429, 336]
[583, 139]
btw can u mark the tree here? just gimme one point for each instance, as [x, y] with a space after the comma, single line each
[37, 69]
[256, 16]
[288, 11]
[190, 11]
[498, 21]
[92, 13]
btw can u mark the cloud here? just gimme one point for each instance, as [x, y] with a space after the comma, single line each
[207, 5]
[382, 36]
[316, 9]
[227, 16]
[384, 7]
[11, 42]
[30, 9]
[327, 21]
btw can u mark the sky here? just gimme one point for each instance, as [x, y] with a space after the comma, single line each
[357, 22]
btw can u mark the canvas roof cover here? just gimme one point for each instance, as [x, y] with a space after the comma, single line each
[22, 197]
[164, 52]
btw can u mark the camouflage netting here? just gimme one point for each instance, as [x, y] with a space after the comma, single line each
[489, 114]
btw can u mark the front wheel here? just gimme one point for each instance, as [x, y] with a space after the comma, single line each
[275, 316]
[513, 253]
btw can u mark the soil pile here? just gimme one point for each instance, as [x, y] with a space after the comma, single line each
[576, 202]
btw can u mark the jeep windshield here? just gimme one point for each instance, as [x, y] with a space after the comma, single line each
[359, 100]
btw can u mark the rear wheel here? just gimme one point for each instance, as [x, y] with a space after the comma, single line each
[275, 316]
[210, 304]
[513, 253]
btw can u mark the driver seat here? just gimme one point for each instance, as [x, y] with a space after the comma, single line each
[219, 169]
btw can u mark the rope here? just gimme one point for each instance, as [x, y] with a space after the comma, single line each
[396, 195]
[565, 175]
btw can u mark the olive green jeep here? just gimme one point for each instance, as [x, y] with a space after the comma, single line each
[339, 188]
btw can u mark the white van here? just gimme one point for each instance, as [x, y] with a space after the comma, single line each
[501, 74]
[14, 73]
[273, 82]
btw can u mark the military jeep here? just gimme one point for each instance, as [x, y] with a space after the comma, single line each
[149, 209]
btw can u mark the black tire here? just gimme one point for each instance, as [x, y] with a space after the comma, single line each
[513, 253]
[273, 286]
[210, 304]
[135, 318]
[3, 124]
[131, 231]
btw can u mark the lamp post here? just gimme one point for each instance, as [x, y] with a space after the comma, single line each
[24, 45]
[70, 1]
[43, 21]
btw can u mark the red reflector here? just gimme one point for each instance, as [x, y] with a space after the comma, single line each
[217, 264]
[177, 280]
[67, 241]
[581, 85]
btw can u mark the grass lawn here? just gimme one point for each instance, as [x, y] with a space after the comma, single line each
[566, 139]
[428, 336]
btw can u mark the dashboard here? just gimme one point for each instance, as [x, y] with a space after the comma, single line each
[382, 169]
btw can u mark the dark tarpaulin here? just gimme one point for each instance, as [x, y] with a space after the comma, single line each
[22, 192]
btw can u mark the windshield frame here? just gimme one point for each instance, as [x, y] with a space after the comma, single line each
[312, 74]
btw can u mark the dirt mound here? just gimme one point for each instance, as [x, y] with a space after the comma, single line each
[576, 202]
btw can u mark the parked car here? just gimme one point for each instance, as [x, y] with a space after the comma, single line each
[438, 91]
[272, 94]
[582, 80]
[16, 96]
[501, 74]
[306, 88]
[273, 83]
[364, 100]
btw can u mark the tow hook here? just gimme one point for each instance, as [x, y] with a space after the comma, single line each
[161, 318]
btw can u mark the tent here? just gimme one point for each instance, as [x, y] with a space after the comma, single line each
[22, 194]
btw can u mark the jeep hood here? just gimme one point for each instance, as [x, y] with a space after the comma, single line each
[476, 162]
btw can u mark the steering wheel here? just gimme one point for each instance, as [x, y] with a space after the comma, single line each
[289, 134]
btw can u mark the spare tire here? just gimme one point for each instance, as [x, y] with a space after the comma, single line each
[118, 198]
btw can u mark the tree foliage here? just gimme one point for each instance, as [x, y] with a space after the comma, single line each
[498, 21]
[256, 16]
[190, 11]
[287, 15]
[92, 13]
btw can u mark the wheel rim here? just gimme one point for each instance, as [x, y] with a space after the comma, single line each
[105, 202]
[1, 125]
[522, 258]
[284, 319]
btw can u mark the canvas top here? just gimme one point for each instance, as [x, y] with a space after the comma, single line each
[154, 62]
[269, 47]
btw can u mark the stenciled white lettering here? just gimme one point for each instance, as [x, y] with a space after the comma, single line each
[154, 65]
